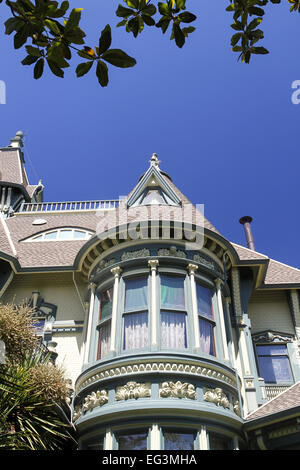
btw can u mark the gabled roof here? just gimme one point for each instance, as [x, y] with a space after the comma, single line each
[285, 401]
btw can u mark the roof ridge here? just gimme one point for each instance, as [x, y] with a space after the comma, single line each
[252, 251]
[273, 399]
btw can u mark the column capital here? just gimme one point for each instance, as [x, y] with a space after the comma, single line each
[92, 286]
[218, 282]
[228, 300]
[153, 263]
[192, 268]
[116, 271]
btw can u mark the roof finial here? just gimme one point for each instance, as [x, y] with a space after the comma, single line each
[17, 141]
[154, 161]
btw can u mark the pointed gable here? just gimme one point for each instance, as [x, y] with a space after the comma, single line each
[153, 188]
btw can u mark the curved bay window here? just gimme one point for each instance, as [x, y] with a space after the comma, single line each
[173, 313]
[104, 322]
[135, 316]
[206, 319]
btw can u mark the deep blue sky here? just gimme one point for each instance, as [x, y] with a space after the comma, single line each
[226, 132]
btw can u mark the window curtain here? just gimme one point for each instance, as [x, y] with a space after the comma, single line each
[136, 294]
[135, 330]
[172, 292]
[106, 298]
[206, 337]
[173, 330]
[274, 363]
[204, 301]
[104, 340]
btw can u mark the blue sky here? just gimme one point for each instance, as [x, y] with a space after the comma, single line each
[226, 132]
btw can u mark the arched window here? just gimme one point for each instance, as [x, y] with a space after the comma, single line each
[62, 234]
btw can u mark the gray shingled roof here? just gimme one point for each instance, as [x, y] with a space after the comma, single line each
[286, 400]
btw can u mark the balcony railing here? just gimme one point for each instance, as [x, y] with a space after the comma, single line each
[69, 206]
[273, 390]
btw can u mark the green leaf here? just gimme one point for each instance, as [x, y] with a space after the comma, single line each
[39, 68]
[259, 50]
[178, 35]
[256, 11]
[52, 26]
[187, 17]
[102, 73]
[33, 51]
[149, 10]
[105, 39]
[55, 69]
[148, 20]
[163, 23]
[83, 68]
[29, 60]
[118, 58]
[164, 9]
[21, 36]
[180, 4]
[13, 24]
[124, 12]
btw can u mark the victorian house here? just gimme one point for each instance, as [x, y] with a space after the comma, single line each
[173, 336]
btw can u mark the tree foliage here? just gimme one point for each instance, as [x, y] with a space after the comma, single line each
[50, 31]
[33, 391]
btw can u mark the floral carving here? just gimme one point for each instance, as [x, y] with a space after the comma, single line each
[76, 413]
[217, 396]
[171, 252]
[203, 261]
[98, 398]
[133, 390]
[178, 390]
[135, 254]
[237, 408]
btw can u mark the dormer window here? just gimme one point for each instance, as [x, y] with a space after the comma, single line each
[153, 196]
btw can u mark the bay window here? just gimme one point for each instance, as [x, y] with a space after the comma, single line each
[173, 313]
[135, 316]
[137, 441]
[206, 319]
[178, 440]
[104, 322]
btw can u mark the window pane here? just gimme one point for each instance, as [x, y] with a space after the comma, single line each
[275, 369]
[96, 445]
[206, 337]
[153, 197]
[104, 340]
[135, 330]
[173, 330]
[65, 235]
[106, 298]
[133, 442]
[172, 292]
[50, 236]
[79, 235]
[178, 441]
[218, 443]
[204, 301]
[272, 350]
[136, 294]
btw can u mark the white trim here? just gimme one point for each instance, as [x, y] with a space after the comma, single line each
[36, 238]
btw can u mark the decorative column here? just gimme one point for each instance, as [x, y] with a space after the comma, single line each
[295, 311]
[155, 437]
[108, 440]
[203, 438]
[218, 284]
[92, 288]
[192, 268]
[153, 264]
[116, 272]
[228, 319]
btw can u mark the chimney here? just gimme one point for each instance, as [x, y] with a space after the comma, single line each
[246, 221]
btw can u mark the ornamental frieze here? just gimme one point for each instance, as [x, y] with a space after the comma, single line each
[217, 396]
[177, 390]
[98, 398]
[150, 367]
[132, 390]
[173, 251]
[135, 254]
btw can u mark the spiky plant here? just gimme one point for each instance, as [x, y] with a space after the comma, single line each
[32, 389]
